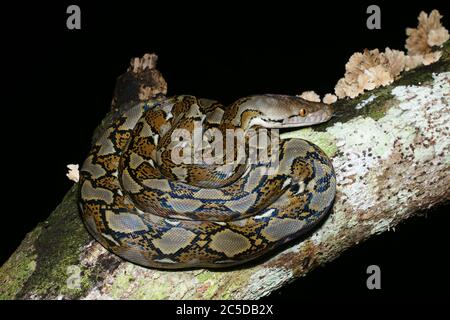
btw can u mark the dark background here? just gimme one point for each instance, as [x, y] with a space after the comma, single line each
[58, 83]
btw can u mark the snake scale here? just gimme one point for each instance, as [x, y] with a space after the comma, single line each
[142, 205]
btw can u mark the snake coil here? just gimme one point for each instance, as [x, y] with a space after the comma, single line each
[138, 202]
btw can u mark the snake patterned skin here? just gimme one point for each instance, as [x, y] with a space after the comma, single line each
[144, 206]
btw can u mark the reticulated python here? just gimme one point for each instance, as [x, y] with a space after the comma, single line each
[151, 210]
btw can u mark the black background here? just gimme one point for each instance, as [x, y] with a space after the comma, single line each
[58, 83]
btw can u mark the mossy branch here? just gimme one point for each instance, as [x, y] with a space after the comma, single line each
[390, 149]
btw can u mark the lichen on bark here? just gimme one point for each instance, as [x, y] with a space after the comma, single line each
[390, 149]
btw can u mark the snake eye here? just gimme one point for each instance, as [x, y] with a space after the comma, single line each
[302, 112]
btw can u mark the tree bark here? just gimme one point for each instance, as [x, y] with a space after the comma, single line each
[390, 150]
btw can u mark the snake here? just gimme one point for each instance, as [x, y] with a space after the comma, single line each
[159, 211]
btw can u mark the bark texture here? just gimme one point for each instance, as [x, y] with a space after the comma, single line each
[390, 150]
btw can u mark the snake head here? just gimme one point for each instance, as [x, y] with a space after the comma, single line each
[306, 113]
[282, 111]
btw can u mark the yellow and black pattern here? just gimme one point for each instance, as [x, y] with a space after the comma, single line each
[151, 211]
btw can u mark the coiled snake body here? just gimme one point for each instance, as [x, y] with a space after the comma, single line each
[151, 210]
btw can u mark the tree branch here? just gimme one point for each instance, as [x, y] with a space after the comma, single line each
[390, 149]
